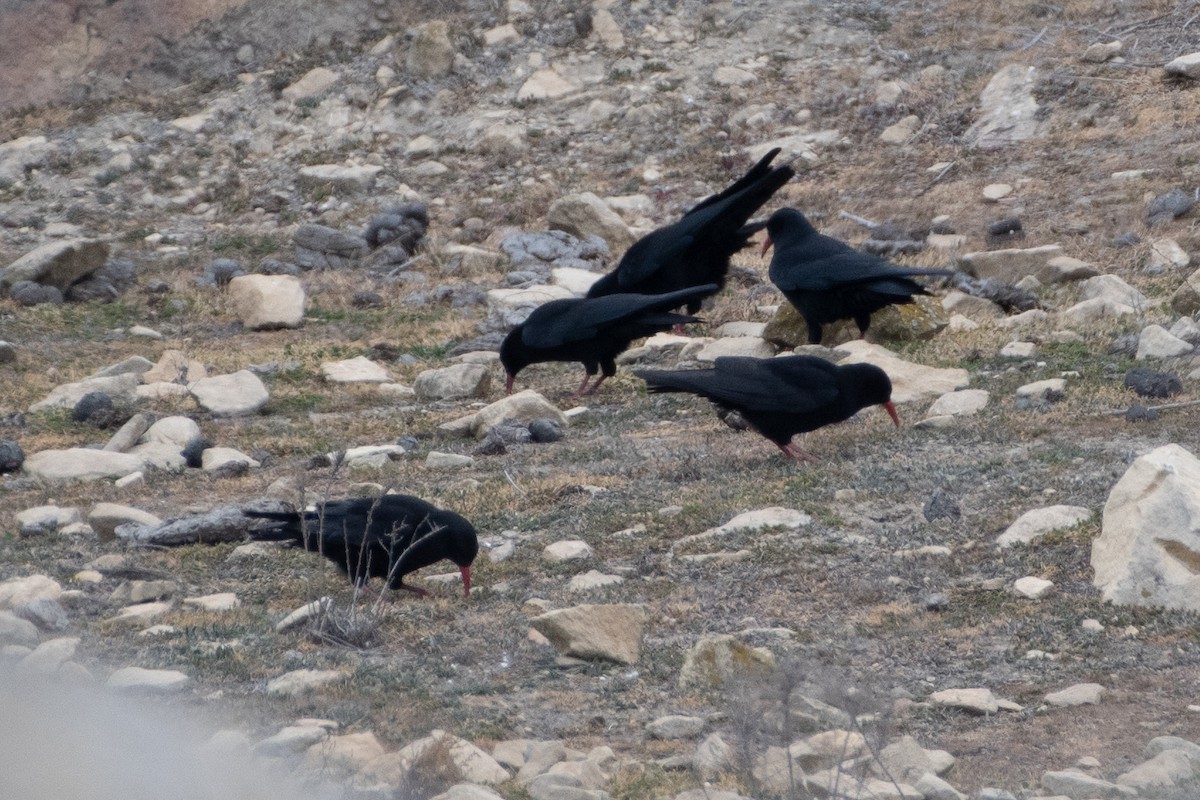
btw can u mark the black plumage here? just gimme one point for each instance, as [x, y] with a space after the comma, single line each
[592, 330]
[696, 250]
[781, 397]
[384, 537]
[827, 280]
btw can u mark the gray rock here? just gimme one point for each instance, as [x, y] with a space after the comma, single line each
[303, 681]
[544, 430]
[1036, 523]
[222, 524]
[977, 701]
[1167, 207]
[1078, 695]
[129, 434]
[147, 681]
[431, 54]
[339, 177]
[713, 756]
[1113, 289]
[28, 293]
[47, 614]
[402, 226]
[1161, 744]
[105, 517]
[1155, 342]
[121, 388]
[1186, 66]
[1009, 266]
[57, 264]
[95, 408]
[546, 250]
[1168, 769]
[14, 630]
[220, 271]
[717, 659]
[8, 353]
[1148, 383]
[322, 247]
[676, 726]
[11, 456]
[48, 656]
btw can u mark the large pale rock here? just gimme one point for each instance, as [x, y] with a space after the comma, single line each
[41, 520]
[16, 592]
[349, 753]
[1166, 770]
[48, 656]
[1063, 269]
[718, 659]
[105, 517]
[970, 306]
[909, 381]
[237, 394]
[359, 369]
[453, 382]
[608, 632]
[150, 681]
[1098, 309]
[523, 406]
[1112, 288]
[57, 264]
[1010, 266]
[121, 388]
[303, 681]
[1187, 66]
[576, 280]
[267, 302]
[1186, 299]
[1081, 786]
[735, 346]
[446, 756]
[713, 756]
[977, 701]
[431, 54]
[545, 84]
[1166, 255]
[14, 630]
[81, 464]
[1148, 550]
[959, 404]
[1078, 695]
[1034, 524]
[1156, 342]
[585, 214]
[176, 431]
[310, 85]
[354, 179]
[1008, 110]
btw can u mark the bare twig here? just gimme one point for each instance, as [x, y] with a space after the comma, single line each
[513, 482]
[866, 223]
[946, 169]
[1120, 412]
[1035, 39]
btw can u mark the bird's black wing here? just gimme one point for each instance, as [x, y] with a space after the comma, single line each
[649, 254]
[849, 267]
[580, 320]
[753, 175]
[755, 383]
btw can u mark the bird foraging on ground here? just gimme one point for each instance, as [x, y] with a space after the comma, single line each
[827, 280]
[592, 330]
[696, 250]
[385, 537]
[781, 397]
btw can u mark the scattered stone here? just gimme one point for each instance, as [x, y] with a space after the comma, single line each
[1155, 342]
[608, 632]
[237, 394]
[734, 346]
[356, 179]
[573, 550]
[675, 726]
[1064, 269]
[49, 656]
[447, 461]
[1099, 52]
[156, 681]
[1035, 524]
[57, 264]
[902, 131]
[359, 369]
[1008, 110]
[910, 381]
[222, 601]
[1009, 266]
[994, 192]
[1032, 588]
[1167, 207]
[1166, 256]
[584, 215]
[79, 463]
[18, 631]
[977, 701]
[12, 457]
[1078, 695]
[221, 524]
[456, 760]
[303, 681]
[716, 660]
[105, 517]
[431, 54]
[1075, 784]
[964, 403]
[121, 390]
[292, 739]
[453, 382]
[312, 84]
[545, 84]
[322, 247]
[267, 302]
[592, 579]
[1050, 390]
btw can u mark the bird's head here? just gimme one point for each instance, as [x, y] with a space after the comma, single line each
[872, 387]
[787, 224]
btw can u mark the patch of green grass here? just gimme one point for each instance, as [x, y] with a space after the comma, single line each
[249, 246]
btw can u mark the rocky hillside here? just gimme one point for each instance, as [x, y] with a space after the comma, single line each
[257, 252]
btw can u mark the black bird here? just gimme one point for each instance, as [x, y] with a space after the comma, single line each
[827, 280]
[696, 249]
[377, 537]
[781, 397]
[593, 330]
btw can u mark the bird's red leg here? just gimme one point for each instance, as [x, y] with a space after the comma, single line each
[583, 386]
[596, 385]
[799, 453]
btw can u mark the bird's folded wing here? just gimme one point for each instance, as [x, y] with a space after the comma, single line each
[833, 271]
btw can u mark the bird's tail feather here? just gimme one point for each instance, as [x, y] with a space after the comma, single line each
[286, 526]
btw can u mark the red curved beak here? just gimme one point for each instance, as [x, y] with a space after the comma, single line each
[508, 382]
[890, 407]
[766, 246]
[466, 575]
